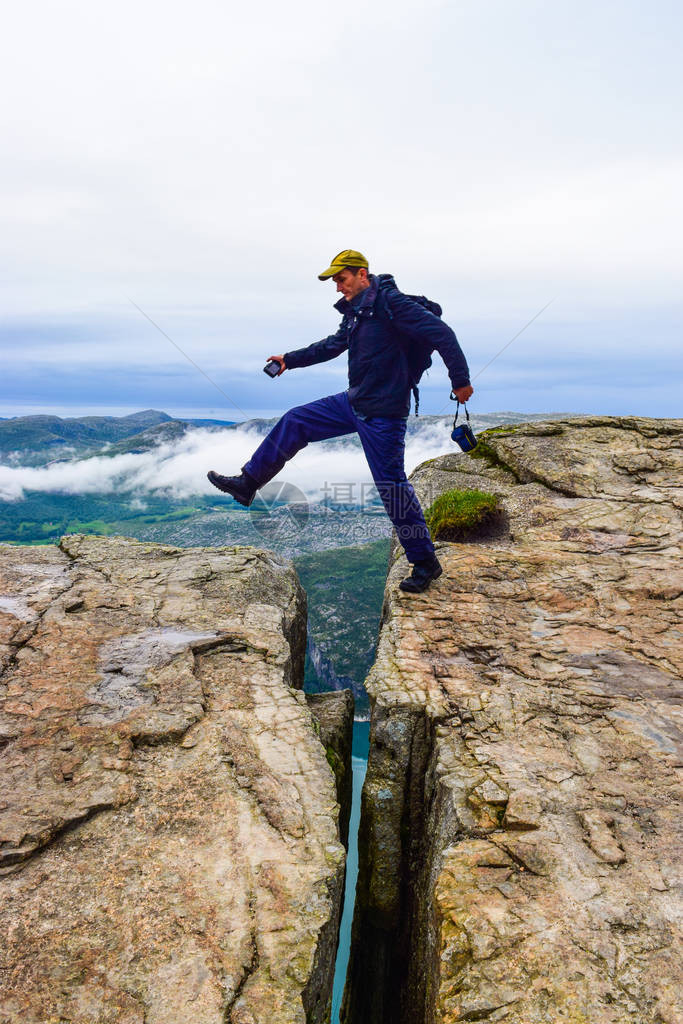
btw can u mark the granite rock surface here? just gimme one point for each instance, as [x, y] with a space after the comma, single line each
[168, 819]
[521, 833]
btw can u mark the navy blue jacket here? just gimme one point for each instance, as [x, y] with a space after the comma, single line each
[375, 328]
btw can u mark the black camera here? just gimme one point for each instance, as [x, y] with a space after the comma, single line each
[272, 368]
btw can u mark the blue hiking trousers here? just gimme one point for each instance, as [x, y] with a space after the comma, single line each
[383, 442]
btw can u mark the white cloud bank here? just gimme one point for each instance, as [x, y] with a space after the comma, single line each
[179, 470]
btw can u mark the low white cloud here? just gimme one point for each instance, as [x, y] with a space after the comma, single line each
[178, 470]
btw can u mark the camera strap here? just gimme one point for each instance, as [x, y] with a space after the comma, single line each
[457, 410]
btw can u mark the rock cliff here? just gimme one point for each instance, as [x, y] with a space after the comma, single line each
[168, 820]
[520, 840]
[333, 713]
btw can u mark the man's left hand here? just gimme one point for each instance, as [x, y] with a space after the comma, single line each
[462, 394]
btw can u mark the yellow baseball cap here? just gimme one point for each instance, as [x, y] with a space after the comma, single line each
[346, 258]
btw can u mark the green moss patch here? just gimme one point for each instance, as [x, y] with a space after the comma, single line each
[333, 760]
[464, 515]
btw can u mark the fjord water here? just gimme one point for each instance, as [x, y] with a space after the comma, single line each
[361, 745]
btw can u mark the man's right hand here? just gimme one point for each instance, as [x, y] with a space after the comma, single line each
[462, 394]
[281, 361]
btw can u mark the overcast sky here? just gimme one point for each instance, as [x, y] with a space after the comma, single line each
[208, 160]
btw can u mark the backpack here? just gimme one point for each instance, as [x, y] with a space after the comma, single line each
[418, 354]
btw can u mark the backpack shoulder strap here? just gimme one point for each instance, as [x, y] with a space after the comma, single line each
[383, 301]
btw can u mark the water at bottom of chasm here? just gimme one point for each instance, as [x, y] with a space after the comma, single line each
[361, 744]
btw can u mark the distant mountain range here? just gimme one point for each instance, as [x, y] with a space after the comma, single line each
[39, 440]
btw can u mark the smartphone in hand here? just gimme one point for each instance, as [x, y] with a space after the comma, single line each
[272, 368]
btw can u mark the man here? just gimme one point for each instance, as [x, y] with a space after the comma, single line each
[378, 323]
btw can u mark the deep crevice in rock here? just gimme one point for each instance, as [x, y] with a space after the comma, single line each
[386, 976]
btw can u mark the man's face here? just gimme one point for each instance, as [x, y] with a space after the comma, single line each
[350, 284]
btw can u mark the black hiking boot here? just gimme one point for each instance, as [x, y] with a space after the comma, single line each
[424, 571]
[242, 488]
